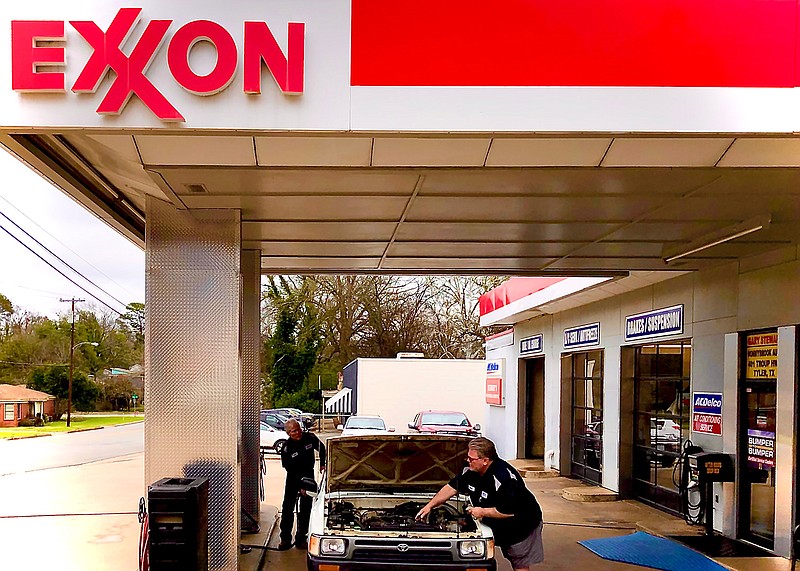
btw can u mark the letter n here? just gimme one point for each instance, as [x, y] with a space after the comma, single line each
[260, 44]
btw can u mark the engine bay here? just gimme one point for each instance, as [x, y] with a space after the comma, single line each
[345, 515]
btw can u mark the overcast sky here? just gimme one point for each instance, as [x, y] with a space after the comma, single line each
[70, 231]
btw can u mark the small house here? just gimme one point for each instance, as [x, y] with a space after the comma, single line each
[18, 402]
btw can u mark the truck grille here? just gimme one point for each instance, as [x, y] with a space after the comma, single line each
[411, 551]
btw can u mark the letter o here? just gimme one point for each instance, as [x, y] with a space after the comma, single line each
[178, 57]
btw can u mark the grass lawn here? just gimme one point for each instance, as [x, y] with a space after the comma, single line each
[77, 423]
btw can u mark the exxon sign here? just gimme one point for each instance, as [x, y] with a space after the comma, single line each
[36, 61]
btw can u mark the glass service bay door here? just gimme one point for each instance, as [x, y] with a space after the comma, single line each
[587, 415]
[757, 440]
[661, 421]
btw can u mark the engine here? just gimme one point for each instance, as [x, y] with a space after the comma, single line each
[445, 518]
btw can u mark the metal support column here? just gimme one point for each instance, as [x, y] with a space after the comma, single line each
[192, 377]
[251, 385]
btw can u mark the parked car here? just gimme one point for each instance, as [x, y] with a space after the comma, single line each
[592, 446]
[444, 422]
[306, 418]
[363, 516]
[665, 436]
[364, 424]
[664, 431]
[274, 419]
[272, 438]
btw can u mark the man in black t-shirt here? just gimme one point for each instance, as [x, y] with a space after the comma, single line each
[297, 458]
[500, 500]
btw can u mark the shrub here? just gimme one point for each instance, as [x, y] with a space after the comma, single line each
[26, 422]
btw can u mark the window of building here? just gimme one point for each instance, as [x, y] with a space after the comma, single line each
[8, 413]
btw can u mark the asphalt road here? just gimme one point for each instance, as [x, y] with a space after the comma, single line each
[73, 449]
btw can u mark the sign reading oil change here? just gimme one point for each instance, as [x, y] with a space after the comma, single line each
[762, 356]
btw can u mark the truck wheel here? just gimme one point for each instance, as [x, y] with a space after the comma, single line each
[279, 446]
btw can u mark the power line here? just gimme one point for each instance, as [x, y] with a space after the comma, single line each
[65, 276]
[56, 256]
[32, 221]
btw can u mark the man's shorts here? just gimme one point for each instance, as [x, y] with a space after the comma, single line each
[527, 552]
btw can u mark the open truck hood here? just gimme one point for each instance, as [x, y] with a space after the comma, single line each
[394, 462]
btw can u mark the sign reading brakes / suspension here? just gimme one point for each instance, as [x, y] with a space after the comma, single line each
[658, 323]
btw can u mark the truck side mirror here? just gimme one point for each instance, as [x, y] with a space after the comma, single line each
[309, 485]
[391, 429]
[477, 428]
[411, 426]
[339, 427]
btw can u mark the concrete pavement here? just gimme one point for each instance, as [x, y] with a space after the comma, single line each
[84, 518]
[76, 518]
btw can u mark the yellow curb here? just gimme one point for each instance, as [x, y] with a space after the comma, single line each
[29, 436]
[84, 429]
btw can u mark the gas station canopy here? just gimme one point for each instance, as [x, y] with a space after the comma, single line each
[355, 138]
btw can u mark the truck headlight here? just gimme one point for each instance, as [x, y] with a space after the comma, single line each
[332, 546]
[472, 548]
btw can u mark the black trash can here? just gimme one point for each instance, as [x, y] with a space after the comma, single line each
[178, 509]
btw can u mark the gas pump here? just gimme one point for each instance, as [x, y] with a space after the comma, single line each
[691, 500]
[705, 468]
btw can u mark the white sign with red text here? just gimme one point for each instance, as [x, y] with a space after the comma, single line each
[495, 374]
[237, 65]
[413, 66]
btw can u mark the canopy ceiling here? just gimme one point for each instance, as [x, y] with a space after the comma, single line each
[599, 205]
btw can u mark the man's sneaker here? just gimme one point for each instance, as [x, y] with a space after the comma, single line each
[284, 545]
[302, 544]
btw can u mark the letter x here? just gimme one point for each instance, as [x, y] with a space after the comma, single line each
[130, 70]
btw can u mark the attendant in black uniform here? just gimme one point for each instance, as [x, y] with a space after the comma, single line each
[500, 500]
[297, 458]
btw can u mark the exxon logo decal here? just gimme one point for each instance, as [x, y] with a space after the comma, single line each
[34, 57]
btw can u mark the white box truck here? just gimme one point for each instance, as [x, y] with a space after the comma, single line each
[397, 389]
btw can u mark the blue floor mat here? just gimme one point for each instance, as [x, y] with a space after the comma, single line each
[647, 550]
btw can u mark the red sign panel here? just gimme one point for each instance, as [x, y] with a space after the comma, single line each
[494, 390]
[669, 43]
[707, 423]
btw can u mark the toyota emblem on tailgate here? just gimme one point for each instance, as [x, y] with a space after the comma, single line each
[402, 547]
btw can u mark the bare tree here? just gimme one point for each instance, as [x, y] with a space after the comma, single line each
[379, 316]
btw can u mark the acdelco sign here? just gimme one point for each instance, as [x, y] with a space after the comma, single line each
[33, 58]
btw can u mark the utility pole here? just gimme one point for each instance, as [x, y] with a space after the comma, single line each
[71, 353]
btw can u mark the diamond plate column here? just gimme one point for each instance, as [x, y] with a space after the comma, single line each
[251, 386]
[192, 376]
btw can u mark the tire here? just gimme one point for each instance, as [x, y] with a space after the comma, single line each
[279, 446]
